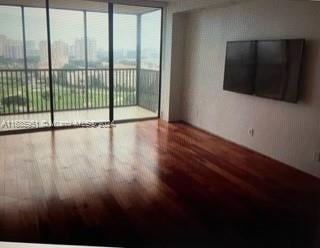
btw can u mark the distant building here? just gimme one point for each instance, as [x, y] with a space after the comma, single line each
[43, 47]
[3, 42]
[31, 45]
[10, 49]
[14, 49]
[31, 48]
[92, 50]
[119, 54]
[59, 54]
[72, 52]
[79, 49]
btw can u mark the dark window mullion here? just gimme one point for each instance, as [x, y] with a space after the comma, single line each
[86, 57]
[111, 64]
[25, 56]
[49, 63]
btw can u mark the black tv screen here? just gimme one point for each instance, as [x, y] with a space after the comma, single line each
[269, 68]
[240, 67]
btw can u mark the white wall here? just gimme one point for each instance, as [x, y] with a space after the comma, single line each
[287, 132]
[177, 68]
[173, 15]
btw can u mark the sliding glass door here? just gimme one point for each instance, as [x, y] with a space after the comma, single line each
[37, 68]
[68, 63]
[137, 42]
[80, 66]
[98, 65]
[12, 66]
[24, 82]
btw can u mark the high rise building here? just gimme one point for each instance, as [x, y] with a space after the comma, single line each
[14, 49]
[3, 44]
[59, 54]
[43, 47]
[31, 45]
[92, 50]
[11, 49]
[79, 49]
[72, 51]
[31, 48]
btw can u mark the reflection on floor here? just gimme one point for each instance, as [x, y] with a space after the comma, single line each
[151, 184]
[25, 121]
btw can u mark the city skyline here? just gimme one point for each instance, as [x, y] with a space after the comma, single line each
[63, 54]
[73, 49]
[67, 25]
[67, 29]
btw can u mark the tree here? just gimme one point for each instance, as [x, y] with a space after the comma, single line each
[16, 100]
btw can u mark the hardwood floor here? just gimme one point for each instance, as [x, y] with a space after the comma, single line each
[151, 184]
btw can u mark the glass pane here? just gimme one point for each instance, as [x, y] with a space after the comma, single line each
[136, 63]
[37, 64]
[80, 85]
[150, 61]
[98, 40]
[98, 62]
[25, 101]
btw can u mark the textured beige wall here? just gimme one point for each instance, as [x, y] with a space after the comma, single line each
[287, 132]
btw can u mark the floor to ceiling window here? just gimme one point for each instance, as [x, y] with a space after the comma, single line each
[11, 65]
[137, 35]
[98, 64]
[79, 42]
[68, 64]
[150, 61]
[37, 69]
[84, 89]
[24, 84]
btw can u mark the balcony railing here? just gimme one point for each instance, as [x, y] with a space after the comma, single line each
[75, 89]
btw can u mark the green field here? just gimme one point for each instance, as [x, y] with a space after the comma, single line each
[14, 97]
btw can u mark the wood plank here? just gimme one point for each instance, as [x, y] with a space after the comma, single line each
[151, 184]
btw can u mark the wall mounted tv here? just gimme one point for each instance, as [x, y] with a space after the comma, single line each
[266, 68]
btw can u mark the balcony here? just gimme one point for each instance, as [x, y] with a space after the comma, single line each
[78, 94]
[76, 40]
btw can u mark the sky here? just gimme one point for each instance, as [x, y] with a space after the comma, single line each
[68, 25]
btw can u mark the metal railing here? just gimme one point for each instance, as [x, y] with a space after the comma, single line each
[74, 89]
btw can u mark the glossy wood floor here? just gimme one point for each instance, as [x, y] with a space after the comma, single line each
[151, 184]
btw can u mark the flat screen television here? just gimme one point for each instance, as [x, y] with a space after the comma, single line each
[266, 68]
